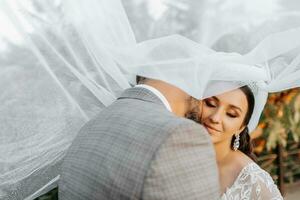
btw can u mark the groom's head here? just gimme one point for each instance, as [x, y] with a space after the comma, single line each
[182, 104]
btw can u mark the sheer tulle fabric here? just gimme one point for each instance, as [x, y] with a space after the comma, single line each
[51, 83]
[73, 58]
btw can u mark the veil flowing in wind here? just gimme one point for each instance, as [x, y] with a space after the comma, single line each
[52, 83]
[69, 59]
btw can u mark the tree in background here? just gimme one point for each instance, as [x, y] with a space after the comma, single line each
[280, 126]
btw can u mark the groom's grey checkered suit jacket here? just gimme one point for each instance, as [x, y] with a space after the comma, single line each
[137, 149]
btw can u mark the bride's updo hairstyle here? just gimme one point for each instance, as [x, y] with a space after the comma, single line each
[246, 145]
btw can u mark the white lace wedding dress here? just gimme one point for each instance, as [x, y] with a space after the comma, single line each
[252, 183]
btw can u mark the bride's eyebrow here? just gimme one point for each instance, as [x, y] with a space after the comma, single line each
[233, 106]
[236, 107]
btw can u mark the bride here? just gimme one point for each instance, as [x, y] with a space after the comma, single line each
[226, 117]
[70, 59]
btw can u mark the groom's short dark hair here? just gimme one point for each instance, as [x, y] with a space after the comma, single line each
[140, 79]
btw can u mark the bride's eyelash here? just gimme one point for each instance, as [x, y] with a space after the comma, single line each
[231, 115]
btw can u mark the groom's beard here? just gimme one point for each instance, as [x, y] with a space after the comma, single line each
[194, 113]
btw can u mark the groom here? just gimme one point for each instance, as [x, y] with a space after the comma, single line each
[142, 147]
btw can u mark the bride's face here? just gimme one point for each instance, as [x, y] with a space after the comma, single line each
[223, 115]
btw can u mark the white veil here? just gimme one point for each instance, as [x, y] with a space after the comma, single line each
[73, 58]
[52, 82]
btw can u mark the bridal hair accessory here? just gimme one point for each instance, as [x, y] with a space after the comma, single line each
[236, 143]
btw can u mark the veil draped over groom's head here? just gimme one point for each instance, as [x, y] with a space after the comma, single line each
[270, 66]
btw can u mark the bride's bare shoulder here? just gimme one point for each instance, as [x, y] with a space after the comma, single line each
[241, 159]
[231, 168]
[237, 160]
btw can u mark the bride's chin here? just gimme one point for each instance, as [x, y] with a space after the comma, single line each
[213, 139]
[214, 136]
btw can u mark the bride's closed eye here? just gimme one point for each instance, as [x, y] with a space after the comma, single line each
[232, 115]
[212, 104]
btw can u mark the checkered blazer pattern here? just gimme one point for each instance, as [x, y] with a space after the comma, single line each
[137, 149]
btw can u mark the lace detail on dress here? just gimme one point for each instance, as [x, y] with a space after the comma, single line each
[253, 183]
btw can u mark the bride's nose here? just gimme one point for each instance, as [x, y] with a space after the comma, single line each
[216, 117]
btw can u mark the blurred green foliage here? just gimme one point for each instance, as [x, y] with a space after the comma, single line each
[280, 125]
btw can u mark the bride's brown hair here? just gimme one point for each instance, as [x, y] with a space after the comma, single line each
[246, 145]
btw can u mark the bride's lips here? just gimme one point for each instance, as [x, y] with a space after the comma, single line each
[211, 128]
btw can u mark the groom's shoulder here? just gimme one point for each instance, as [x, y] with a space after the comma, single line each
[169, 122]
[143, 115]
[187, 126]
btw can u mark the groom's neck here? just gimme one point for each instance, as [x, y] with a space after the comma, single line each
[177, 98]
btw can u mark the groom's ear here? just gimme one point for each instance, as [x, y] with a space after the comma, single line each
[200, 105]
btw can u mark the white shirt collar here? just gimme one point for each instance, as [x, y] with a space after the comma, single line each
[157, 93]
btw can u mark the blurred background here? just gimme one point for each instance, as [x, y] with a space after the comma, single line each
[224, 25]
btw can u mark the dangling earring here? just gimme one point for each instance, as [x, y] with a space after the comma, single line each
[236, 143]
